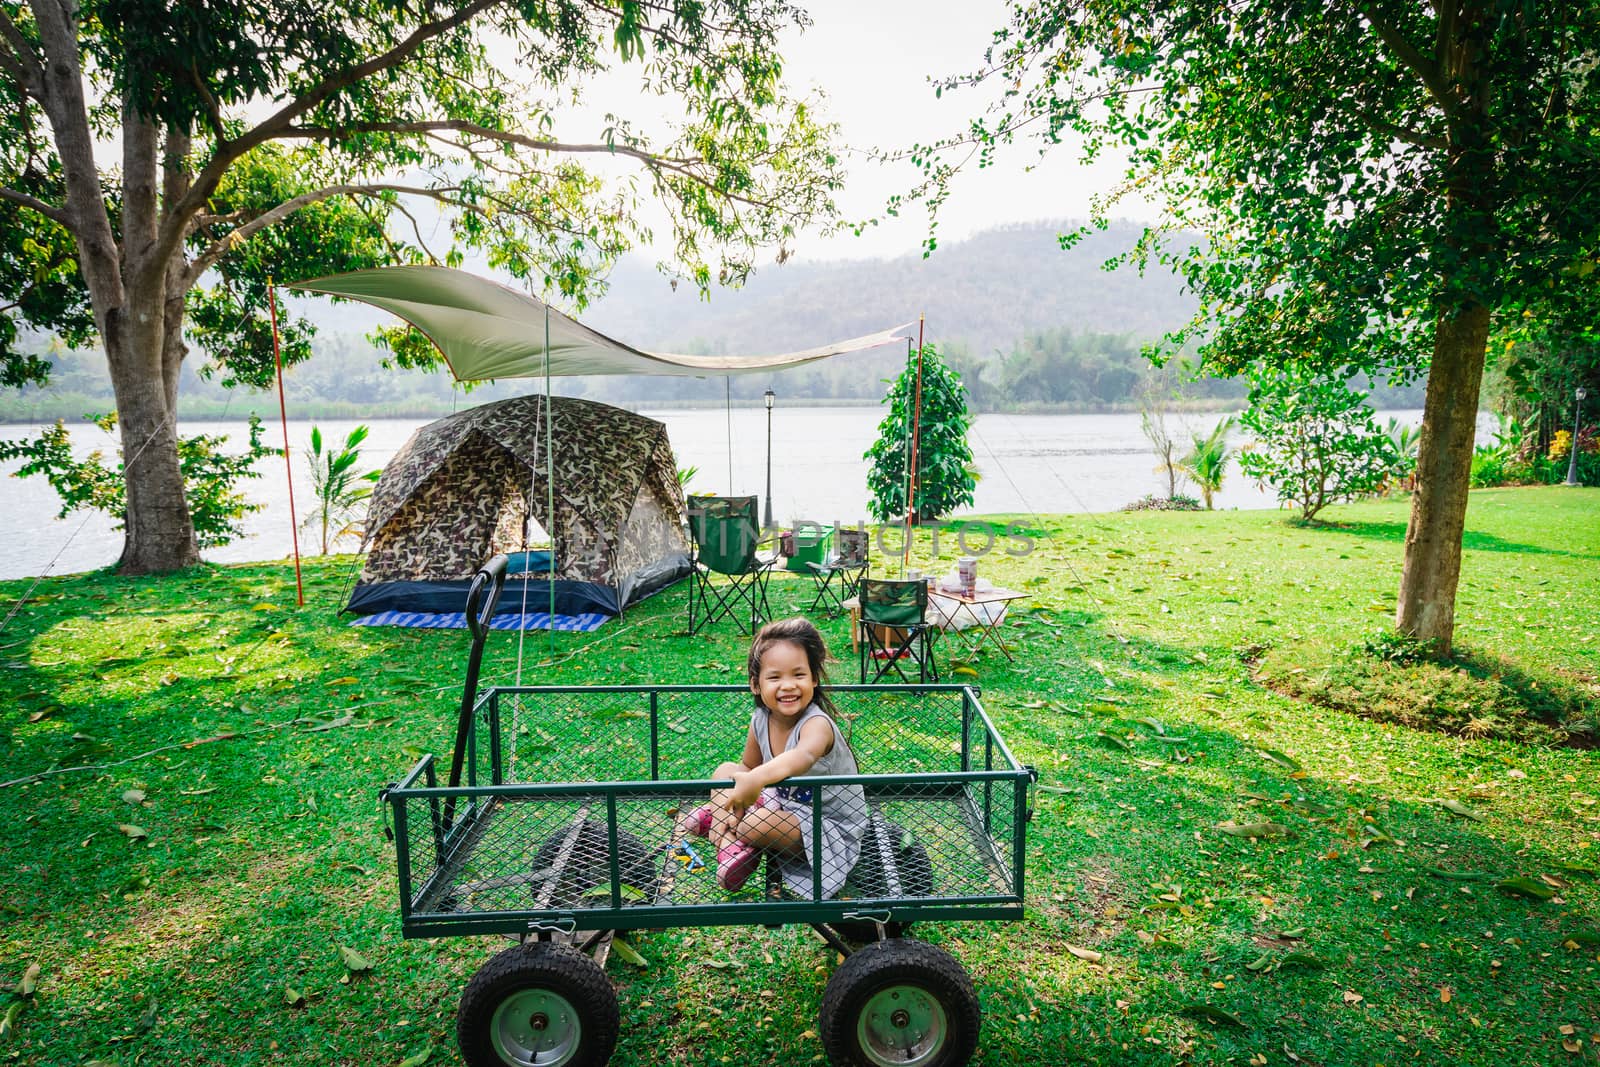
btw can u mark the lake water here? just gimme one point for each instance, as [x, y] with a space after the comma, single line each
[1030, 464]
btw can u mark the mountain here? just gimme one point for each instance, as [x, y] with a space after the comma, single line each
[982, 294]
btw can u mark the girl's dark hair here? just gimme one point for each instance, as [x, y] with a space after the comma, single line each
[803, 632]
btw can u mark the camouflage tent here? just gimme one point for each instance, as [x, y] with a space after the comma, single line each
[463, 488]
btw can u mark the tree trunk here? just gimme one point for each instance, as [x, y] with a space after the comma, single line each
[1426, 608]
[159, 535]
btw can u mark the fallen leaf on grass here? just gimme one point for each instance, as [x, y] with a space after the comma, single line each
[355, 961]
[1352, 997]
[1111, 740]
[1279, 758]
[30, 980]
[627, 953]
[293, 997]
[1302, 959]
[1455, 807]
[417, 1060]
[1253, 829]
[1459, 876]
[1212, 1014]
[133, 796]
[135, 833]
[8, 1022]
[1525, 887]
[1088, 954]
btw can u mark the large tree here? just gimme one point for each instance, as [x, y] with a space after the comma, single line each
[163, 158]
[1373, 180]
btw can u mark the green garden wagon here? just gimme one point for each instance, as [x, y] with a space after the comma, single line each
[558, 822]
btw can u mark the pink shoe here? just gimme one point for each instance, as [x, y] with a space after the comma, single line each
[735, 864]
[698, 821]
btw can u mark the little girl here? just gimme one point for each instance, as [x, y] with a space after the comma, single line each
[792, 736]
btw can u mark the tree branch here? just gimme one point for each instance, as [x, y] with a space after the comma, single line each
[49, 211]
[28, 69]
[1426, 69]
[210, 177]
[207, 259]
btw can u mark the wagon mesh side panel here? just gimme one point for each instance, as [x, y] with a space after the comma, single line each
[901, 732]
[698, 730]
[575, 737]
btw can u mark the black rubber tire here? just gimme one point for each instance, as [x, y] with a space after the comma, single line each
[929, 974]
[529, 972]
[590, 864]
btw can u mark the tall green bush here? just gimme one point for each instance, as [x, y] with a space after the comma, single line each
[338, 489]
[209, 476]
[1316, 442]
[945, 475]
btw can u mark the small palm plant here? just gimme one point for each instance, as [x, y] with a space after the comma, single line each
[1207, 461]
[338, 487]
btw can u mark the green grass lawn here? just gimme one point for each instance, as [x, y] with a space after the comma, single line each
[232, 842]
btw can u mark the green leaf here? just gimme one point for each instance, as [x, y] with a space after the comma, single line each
[627, 953]
[1455, 807]
[8, 1021]
[134, 833]
[1302, 959]
[1261, 963]
[1459, 876]
[293, 997]
[1279, 758]
[355, 961]
[1111, 740]
[1213, 1014]
[1525, 887]
[418, 1059]
[1254, 829]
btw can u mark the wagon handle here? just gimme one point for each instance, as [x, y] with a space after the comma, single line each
[480, 609]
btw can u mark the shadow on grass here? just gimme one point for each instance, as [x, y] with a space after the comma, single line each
[1395, 533]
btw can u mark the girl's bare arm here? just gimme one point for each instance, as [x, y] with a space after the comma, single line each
[816, 738]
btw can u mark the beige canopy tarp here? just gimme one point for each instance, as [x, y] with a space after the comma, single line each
[486, 330]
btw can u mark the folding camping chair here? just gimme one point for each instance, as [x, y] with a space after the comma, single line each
[726, 533]
[848, 565]
[894, 627]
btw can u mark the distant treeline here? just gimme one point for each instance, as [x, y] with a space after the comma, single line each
[1050, 370]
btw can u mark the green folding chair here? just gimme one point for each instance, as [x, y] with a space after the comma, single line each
[894, 630]
[726, 535]
[838, 578]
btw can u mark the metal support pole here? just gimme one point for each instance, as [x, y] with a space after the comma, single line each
[1577, 425]
[766, 519]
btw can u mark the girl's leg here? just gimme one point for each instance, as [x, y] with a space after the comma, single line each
[772, 828]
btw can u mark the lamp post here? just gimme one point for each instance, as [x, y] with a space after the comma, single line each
[766, 520]
[1577, 423]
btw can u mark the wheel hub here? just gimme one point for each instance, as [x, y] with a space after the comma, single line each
[902, 1026]
[535, 1028]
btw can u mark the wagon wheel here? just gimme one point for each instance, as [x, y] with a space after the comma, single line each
[899, 1004]
[538, 1005]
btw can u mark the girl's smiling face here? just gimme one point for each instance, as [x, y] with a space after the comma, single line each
[785, 684]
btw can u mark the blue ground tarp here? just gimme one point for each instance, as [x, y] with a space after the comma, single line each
[455, 620]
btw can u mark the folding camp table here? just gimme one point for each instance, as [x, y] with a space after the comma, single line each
[985, 625]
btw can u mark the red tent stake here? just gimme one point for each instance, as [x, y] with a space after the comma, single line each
[283, 415]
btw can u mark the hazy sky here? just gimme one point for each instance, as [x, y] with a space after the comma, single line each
[872, 59]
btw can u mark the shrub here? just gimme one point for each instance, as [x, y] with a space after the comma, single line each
[945, 474]
[1152, 502]
[1316, 441]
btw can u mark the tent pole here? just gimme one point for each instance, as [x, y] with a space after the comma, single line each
[911, 472]
[549, 489]
[727, 406]
[283, 415]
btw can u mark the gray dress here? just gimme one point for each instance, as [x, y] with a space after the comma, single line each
[844, 807]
